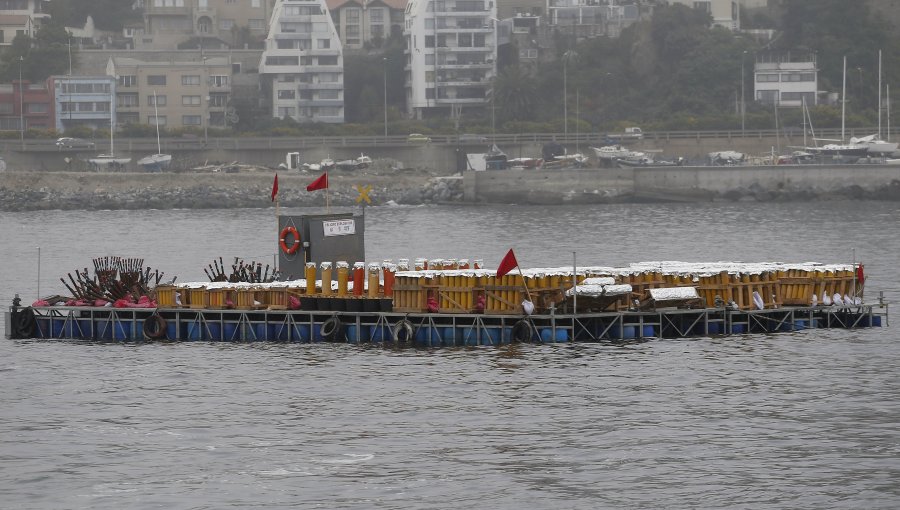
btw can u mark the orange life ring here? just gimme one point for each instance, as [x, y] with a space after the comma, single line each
[292, 249]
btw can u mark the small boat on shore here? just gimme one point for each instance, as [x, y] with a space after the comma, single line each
[159, 161]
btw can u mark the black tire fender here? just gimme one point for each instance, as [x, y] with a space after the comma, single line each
[154, 327]
[521, 332]
[24, 323]
[403, 333]
[332, 329]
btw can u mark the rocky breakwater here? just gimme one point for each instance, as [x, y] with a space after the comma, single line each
[30, 191]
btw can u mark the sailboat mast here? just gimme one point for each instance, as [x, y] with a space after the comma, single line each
[844, 101]
[879, 94]
[156, 115]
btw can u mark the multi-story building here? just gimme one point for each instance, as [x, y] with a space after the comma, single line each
[236, 23]
[590, 18]
[786, 79]
[24, 106]
[451, 55]
[21, 17]
[173, 94]
[725, 13]
[303, 63]
[365, 21]
[83, 101]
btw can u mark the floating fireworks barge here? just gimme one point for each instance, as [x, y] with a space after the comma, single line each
[450, 302]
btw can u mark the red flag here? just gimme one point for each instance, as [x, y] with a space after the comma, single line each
[320, 183]
[508, 263]
[275, 188]
[860, 275]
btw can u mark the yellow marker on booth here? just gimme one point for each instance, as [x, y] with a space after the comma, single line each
[363, 193]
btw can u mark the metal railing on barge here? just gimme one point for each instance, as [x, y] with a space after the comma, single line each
[421, 329]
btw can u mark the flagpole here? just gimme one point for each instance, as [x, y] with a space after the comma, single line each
[523, 284]
[574, 285]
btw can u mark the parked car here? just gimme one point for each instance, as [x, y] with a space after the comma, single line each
[468, 138]
[417, 138]
[630, 133]
[74, 143]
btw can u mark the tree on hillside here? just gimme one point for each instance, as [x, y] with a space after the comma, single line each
[514, 95]
[107, 14]
[45, 55]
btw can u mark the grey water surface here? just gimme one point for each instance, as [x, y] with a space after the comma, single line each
[796, 420]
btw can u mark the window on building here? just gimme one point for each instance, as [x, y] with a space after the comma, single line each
[286, 94]
[767, 96]
[429, 59]
[37, 108]
[190, 100]
[798, 77]
[226, 24]
[85, 107]
[191, 120]
[376, 15]
[274, 60]
[329, 111]
[351, 15]
[464, 40]
[323, 44]
[329, 77]
[7, 108]
[254, 4]
[192, 79]
[102, 107]
[429, 41]
[218, 100]
[159, 100]
[218, 81]
[306, 95]
[256, 24]
[479, 41]
[154, 120]
[127, 81]
[235, 68]
[705, 6]
[766, 77]
[156, 79]
[328, 60]
[128, 118]
[377, 30]
[127, 100]
[285, 112]
[329, 94]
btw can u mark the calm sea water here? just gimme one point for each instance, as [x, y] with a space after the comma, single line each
[799, 420]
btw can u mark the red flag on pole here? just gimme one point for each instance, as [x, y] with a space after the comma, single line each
[320, 183]
[508, 263]
[275, 188]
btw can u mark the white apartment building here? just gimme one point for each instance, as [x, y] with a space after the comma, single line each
[451, 55]
[303, 63]
[785, 79]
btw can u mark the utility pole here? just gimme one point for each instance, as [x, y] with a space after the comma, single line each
[21, 105]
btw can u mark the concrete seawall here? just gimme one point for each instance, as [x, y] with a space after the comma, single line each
[691, 184]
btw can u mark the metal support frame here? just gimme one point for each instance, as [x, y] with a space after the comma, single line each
[439, 330]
